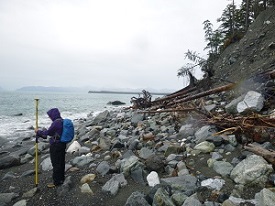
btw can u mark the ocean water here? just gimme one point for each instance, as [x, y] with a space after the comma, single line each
[18, 109]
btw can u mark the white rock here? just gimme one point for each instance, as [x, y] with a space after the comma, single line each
[74, 147]
[46, 164]
[85, 188]
[213, 183]
[153, 179]
[252, 101]
[87, 178]
[205, 147]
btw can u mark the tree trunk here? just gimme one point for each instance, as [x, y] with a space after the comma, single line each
[247, 14]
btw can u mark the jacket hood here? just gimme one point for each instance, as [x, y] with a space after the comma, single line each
[54, 114]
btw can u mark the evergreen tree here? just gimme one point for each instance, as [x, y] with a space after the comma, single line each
[228, 24]
[213, 38]
[187, 69]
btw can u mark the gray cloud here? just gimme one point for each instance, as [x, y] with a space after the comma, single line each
[133, 44]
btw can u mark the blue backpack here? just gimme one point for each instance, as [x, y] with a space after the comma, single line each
[68, 131]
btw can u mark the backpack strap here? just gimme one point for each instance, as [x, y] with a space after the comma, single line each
[56, 136]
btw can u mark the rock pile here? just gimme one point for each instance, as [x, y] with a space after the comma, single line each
[174, 159]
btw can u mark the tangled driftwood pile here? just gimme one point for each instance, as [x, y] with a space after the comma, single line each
[193, 99]
[142, 102]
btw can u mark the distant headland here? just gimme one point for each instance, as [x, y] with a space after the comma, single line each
[126, 92]
[76, 89]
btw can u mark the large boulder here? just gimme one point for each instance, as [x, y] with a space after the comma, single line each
[254, 170]
[136, 117]
[9, 161]
[101, 117]
[127, 163]
[112, 186]
[223, 168]
[205, 132]
[137, 199]
[116, 103]
[265, 197]
[186, 183]
[6, 198]
[186, 130]
[232, 106]
[162, 198]
[253, 101]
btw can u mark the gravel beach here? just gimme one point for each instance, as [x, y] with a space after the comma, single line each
[120, 149]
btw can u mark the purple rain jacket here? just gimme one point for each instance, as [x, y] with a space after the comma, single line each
[56, 127]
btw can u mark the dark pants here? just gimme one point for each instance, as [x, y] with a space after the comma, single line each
[57, 152]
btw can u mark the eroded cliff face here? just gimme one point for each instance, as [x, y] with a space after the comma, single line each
[253, 54]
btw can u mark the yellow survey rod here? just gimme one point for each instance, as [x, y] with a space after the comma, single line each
[36, 142]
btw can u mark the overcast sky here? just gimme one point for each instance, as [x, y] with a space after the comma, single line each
[100, 43]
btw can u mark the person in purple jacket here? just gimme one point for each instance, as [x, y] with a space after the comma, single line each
[57, 148]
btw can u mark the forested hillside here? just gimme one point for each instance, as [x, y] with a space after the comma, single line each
[243, 44]
[254, 53]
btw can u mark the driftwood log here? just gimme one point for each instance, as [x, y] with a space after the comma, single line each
[169, 110]
[268, 155]
[176, 95]
[205, 93]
